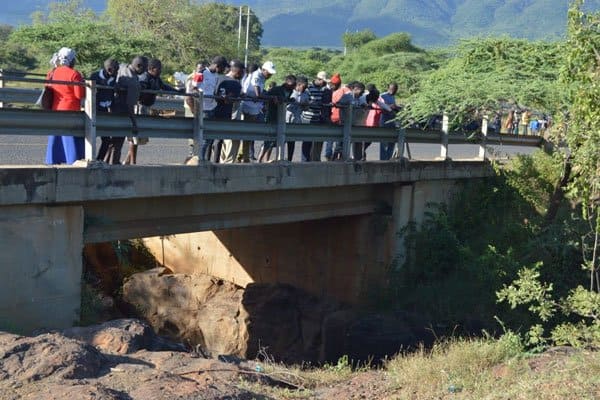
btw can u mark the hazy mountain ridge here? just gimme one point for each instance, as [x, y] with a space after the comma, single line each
[430, 22]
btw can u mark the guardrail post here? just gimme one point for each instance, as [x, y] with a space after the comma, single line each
[281, 110]
[198, 134]
[445, 132]
[90, 120]
[400, 143]
[347, 131]
[1, 86]
[484, 134]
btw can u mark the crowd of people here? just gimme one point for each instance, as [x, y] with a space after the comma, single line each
[240, 93]
[231, 91]
[523, 122]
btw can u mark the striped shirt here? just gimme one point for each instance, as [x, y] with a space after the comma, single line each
[312, 114]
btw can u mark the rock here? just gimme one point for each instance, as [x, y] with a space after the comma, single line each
[280, 321]
[28, 359]
[121, 336]
[224, 319]
[198, 310]
[285, 321]
[75, 392]
[379, 336]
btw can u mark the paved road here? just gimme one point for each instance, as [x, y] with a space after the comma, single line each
[30, 150]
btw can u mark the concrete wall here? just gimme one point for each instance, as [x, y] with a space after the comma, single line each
[345, 258]
[336, 257]
[41, 262]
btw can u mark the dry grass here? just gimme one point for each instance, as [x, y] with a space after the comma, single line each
[454, 369]
[494, 369]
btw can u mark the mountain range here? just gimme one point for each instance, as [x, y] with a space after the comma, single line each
[315, 23]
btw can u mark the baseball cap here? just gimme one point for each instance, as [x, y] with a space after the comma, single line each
[269, 67]
[323, 76]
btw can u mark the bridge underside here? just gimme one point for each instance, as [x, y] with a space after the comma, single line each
[330, 228]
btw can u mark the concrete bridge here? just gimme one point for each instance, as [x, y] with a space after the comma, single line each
[330, 228]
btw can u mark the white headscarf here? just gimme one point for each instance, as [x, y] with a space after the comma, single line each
[65, 56]
[54, 60]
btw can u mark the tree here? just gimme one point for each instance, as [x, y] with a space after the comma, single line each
[485, 74]
[183, 32]
[353, 40]
[94, 41]
[575, 318]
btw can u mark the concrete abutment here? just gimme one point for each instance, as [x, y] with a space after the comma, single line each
[42, 267]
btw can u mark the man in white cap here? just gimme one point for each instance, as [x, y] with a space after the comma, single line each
[316, 113]
[254, 87]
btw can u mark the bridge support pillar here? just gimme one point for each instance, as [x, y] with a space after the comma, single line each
[402, 215]
[41, 255]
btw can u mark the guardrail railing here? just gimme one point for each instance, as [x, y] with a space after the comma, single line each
[89, 124]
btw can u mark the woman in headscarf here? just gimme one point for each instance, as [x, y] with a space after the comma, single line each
[65, 149]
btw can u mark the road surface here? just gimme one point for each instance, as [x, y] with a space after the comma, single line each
[31, 150]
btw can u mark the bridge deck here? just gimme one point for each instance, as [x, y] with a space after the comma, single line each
[68, 184]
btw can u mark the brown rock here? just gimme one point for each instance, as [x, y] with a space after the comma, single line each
[75, 392]
[121, 336]
[198, 310]
[28, 359]
[224, 319]
[286, 323]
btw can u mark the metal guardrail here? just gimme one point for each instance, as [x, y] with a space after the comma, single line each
[89, 124]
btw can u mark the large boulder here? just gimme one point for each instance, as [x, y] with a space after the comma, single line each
[219, 318]
[204, 312]
[216, 317]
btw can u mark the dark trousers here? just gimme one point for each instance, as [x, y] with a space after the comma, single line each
[110, 150]
[359, 150]
[290, 150]
[306, 150]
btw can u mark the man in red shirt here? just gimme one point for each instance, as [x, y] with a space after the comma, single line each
[338, 90]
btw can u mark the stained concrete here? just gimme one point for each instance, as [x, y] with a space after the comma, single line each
[41, 262]
[346, 258]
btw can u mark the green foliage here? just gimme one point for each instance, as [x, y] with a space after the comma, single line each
[184, 32]
[380, 61]
[581, 304]
[467, 251]
[93, 41]
[178, 32]
[353, 40]
[14, 56]
[486, 74]
[395, 43]
[527, 289]
[298, 62]
[574, 318]
[581, 74]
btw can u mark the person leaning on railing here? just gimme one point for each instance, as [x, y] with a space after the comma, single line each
[65, 149]
[127, 93]
[105, 76]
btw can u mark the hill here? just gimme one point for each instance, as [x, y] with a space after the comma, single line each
[430, 22]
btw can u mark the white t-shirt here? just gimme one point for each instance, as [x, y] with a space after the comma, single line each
[208, 87]
[248, 84]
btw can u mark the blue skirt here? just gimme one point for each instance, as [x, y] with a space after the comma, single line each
[64, 149]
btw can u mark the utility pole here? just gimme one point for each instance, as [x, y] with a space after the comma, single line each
[247, 37]
[239, 33]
